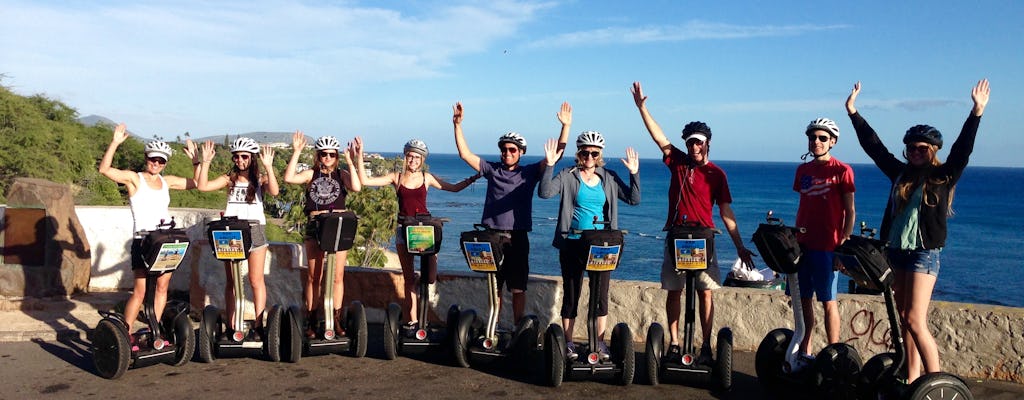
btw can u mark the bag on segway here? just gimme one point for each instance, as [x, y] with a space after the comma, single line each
[863, 260]
[778, 247]
[423, 234]
[336, 230]
[604, 248]
[693, 245]
[163, 249]
[230, 238]
[484, 248]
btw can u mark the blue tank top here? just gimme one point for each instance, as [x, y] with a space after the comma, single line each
[589, 205]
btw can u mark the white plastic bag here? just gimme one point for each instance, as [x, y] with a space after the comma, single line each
[742, 273]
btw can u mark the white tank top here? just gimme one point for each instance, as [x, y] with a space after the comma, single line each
[149, 205]
[237, 207]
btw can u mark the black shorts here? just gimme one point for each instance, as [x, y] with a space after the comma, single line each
[138, 260]
[515, 268]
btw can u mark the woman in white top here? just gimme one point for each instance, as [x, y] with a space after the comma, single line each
[245, 201]
[149, 198]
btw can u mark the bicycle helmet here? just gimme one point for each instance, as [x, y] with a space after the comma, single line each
[515, 139]
[823, 124]
[245, 144]
[158, 148]
[590, 138]
[327, 143]
[416, 146]
[923, 133]
[697, 129]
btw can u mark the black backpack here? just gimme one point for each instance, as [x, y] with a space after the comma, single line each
[863, 259]
[163, 249]
[425, 228]
[230, 238]
[778, 246]
[610, 244]
[694, 231]
[336, 230]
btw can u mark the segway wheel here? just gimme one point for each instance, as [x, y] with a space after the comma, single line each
[723, 360]
[451, 323]
[770, 356]
[939, 386]
[209, 332]
[272, 343]
[391, 318]
[460, 348]
[111, 352]
[623, 354]
[654, 349]
[184, 340]
[291, 334]
[836, 368]
[554, 355]
[356, 329]
[878, 374]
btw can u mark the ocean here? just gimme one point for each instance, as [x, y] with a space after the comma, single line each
[978, 263]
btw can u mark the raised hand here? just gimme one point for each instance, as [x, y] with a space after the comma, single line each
[120, 133]
[638, 95]
[851, 108]
[980, 96]
[357, 146]
[267, 156]
[208, 151]
[565, 114]
[298, 141]
[551, 152]
[457, 113]
[632, 160]
[191, 150]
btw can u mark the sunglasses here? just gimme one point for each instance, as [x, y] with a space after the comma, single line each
[919, 149]
[823, 138]
[324, 154]
[240, 156]
[695, 142]
[592, 154]
[512, 150]
[157, 160]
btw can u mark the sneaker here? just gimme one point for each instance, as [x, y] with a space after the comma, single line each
[602, 351]
[705, 356]
[570, 351]
[409, 329]
[133, 341]
[675, 353]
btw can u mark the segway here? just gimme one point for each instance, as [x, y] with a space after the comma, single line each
[423, 236]
[781, 370]
[231, 240]
[604, 253]
[478, 341]
[336, 231]
[882, 377]
[113, 352]
[693, 245]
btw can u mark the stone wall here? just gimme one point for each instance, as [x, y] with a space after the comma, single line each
[979, 341]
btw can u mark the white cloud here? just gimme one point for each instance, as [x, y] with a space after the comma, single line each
[692, 30]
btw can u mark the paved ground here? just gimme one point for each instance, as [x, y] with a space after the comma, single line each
[47, 354]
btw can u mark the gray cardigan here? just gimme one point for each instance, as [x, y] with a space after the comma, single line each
[567, 184]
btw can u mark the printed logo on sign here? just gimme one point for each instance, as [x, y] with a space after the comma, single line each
[691, 254]
[324, 190]
[603, 258]
[480, 257]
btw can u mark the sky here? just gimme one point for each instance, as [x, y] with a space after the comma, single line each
[755, 71]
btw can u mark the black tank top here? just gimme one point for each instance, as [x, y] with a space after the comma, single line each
[325, 192]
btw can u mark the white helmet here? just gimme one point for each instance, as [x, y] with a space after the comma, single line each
[327, 143]
[416, 146]
[514, 138]
[158, 148]
[590, 138]
[824, 124]
[245, 144]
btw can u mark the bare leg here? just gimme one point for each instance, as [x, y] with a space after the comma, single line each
[569, 324]
[340, 259]
[256, 280]
[602, 323]
[920, 295]
[409, 277]
[518, 304]
[808, 314]
[672, 309]
[160, 297]
[131, 308]
[831, 320]
[707, 315]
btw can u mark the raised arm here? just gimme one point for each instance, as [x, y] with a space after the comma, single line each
[565, 117]
[270, 180]
[460, 141]
[127, 178]
[439, 183]
[550, 184]
[980, 96]
[204, 184]
[365, 180]
[652, 126]
[631, 194]
[851, 108]
[351, 179]
[290, 176]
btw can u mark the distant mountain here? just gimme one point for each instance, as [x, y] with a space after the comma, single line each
[261, 137]
[91, 120]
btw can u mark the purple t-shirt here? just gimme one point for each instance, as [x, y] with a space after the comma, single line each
[508, 204]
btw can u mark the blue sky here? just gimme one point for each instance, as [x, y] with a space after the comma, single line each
[389, 71]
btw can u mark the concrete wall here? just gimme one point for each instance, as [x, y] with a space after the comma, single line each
[974, 340]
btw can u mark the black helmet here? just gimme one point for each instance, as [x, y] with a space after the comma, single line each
[695, 128]
[923, 133]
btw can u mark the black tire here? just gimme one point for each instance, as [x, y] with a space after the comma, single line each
[111, 353]
[554, 355]
[771, 354]
[451, 323]
[939, 386]
[877, 374]
[292, 329]
[272, 340]
[836, 368]
[723, 360]
[209, 333]
[654, 349]
[356, 329]
[392, 317]
[623, 354]
[184, 340]
[460, 343]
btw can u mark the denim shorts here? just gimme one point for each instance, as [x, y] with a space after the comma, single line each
[921, 261]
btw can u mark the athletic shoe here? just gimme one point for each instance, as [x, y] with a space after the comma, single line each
[409, 329]
[705, 356]
[570, 351]
[675, 353]
[602, 351]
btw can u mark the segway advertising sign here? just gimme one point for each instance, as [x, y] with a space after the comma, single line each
[419, 238]
[603, 258]
[169, 257]
[228, 245]
[691, 254]
[480, 256]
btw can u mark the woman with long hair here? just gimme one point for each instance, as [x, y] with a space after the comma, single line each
[914, 224]
[246, 186]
